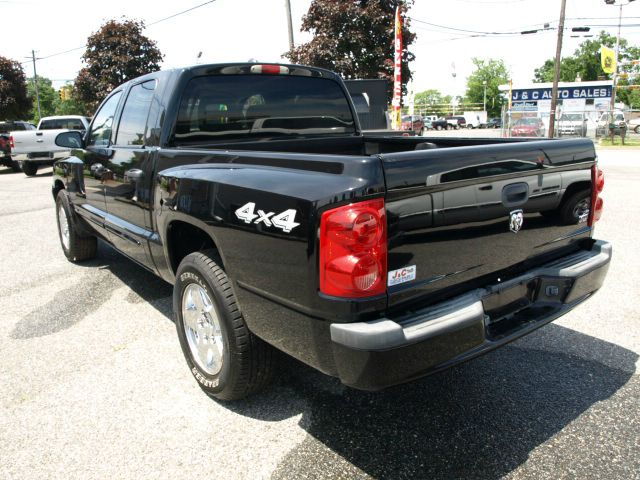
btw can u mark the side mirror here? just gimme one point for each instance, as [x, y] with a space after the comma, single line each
[72, 139]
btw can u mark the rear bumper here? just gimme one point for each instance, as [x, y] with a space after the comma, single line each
[40, 158]
[376, 354]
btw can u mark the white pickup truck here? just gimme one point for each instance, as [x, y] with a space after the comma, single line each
[34, 148]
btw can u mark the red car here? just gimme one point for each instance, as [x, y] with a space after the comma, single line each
[413, 122]
[528, 127]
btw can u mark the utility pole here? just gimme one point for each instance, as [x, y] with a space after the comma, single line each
[287, 4]
[35, 82]
[615, 72]
[556, 76]
[484, 102]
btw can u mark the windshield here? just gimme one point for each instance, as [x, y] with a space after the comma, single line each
[224, 107]
[527, 121]
[571, 117]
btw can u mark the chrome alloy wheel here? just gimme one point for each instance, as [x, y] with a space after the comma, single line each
[582, 208]
[63, 223]
[202, 329]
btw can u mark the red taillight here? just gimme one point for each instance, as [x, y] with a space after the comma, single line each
[11, 145]
[597, 204]
[353, 250]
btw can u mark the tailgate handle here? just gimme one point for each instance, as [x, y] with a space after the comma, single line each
[515, 195]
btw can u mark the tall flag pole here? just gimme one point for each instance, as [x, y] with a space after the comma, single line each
[397, 73]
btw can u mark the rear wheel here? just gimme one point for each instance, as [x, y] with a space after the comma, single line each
[29, 169]
[75, 245]
[576, 207]
[228, 361]
[637, 129]
[15, 166]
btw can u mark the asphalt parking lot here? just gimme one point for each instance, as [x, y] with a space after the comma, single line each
[93, 383]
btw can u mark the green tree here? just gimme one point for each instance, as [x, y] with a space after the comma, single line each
[585, 63]
[356, 39]
[73, 105]
[48, 98]
[117, 52]
[432, 101]
[429, 97]
[14, 104]
[494, 73]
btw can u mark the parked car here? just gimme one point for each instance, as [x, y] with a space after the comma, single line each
[528, 127]
[33, 149]
[572, 124]
[440, 124]
[5, 141]
[414, 123]
[606, 121]
[377, 260]
[495, 122]
[457, 122]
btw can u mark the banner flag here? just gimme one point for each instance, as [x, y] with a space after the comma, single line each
[608, 59]
[397, 73]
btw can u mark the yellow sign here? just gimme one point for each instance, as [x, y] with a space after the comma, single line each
[608, 59]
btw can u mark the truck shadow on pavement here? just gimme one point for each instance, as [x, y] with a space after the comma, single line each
[105, 274]
[478, 420]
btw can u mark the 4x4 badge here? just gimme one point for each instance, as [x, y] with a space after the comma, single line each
[516, 219]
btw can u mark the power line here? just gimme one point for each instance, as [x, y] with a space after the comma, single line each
[150, 24]
[180, 13]
[461, 29]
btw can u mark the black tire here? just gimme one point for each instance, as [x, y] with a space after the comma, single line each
[15, 166]
[247, 361]
[29, 169]
[80, 246]
[637, 129]
[575, 206]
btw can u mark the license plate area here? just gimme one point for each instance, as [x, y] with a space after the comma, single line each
[511, 308]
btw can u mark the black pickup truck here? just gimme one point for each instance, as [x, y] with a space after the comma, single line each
[375, 259]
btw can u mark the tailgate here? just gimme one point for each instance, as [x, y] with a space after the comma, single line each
[461, 217]
[36, 141]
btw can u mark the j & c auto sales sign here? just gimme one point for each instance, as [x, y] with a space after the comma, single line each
[533, 94]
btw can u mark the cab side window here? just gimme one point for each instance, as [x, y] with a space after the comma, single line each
[100, 134]
[133, 122]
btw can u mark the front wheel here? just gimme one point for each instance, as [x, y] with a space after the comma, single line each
[637, 129]
[76, 246]
[228, 361]
[29, 169]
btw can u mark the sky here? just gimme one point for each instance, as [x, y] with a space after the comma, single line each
[450, 33]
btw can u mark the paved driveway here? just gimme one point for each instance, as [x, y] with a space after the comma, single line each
[93, 383]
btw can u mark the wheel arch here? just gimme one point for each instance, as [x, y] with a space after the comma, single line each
[575, 187]
[57, 187]
[185, 237]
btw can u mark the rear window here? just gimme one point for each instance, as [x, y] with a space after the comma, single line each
[62, 123]
[6, 127]
[237, 107]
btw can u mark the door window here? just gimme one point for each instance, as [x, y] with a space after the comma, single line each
[100, 134]
[133, 122]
